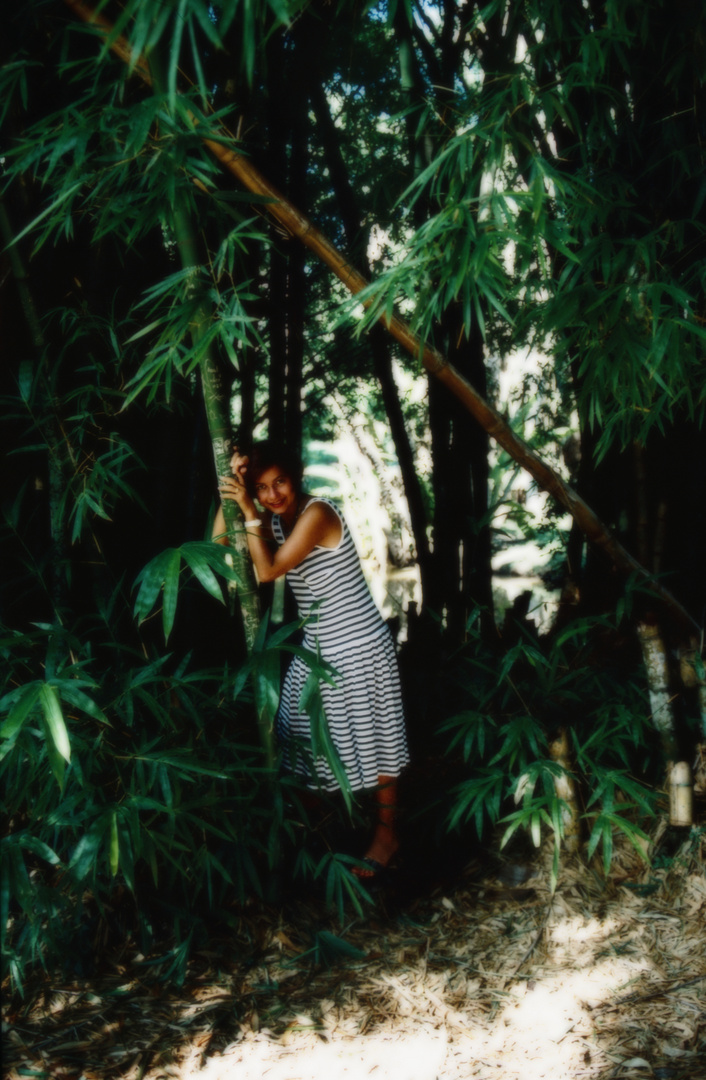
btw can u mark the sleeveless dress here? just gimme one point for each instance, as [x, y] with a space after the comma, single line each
[364, 709]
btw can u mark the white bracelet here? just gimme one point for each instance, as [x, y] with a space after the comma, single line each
[255, 521]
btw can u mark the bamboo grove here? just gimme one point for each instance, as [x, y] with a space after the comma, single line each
[245, 217]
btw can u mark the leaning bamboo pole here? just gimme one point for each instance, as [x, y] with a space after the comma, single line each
[297, 224]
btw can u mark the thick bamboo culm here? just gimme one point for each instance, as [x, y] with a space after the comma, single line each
[654, 656]
[489, 418]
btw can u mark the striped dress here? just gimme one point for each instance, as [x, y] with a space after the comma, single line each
[364, 709]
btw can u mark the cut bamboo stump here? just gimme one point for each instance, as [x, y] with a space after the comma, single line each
[681, 795]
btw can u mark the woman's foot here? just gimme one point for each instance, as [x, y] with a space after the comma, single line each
[384, 843]
[382, 850]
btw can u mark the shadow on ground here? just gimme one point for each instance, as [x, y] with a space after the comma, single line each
[456, 971]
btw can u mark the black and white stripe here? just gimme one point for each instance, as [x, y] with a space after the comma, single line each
[333, 579]
[364, 709]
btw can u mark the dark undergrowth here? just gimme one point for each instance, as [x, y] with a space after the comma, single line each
[141, 815]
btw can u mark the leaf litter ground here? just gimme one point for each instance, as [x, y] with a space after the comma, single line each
[483, 977]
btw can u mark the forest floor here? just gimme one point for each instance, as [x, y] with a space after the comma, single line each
[486, 976]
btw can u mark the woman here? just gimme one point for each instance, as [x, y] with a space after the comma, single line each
[316, 552]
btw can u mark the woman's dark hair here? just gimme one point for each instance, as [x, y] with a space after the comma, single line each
[269, 454]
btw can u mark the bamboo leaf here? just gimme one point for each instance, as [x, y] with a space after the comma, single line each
[82, 701]
[20, 711]
[161, 574]
[85, 855]
[321, 668]
[56, 760]
[266, 680]
[199, 564]
[187, 764]
[26, 378]
[151, 580]
[38, 847]
[64, 195]
[15, 877]
[54, 718]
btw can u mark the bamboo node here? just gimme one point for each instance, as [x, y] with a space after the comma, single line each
[434, 362]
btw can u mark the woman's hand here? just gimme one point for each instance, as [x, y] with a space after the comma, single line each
[233, 487]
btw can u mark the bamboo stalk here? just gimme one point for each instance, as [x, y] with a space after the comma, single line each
[691, 679]
[565, 787]
[654, 654]
[489, 418]
[217, 404]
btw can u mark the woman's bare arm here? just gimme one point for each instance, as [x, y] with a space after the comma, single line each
[317, 525]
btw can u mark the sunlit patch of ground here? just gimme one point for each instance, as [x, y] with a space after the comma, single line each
[486, 981]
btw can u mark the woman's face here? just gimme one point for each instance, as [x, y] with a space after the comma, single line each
[275, 491]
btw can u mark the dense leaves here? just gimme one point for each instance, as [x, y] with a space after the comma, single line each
[159, 785]
[518, 706]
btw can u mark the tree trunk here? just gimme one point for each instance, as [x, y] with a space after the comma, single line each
[681, 795]
[277, 139]
[461, 566]
[297, 255]
[462, 542]
[357, 240]
[287, 131]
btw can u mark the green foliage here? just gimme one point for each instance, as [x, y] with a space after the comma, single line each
[560, 210]
[613, 814]
[161, 575]
[152, 782]
[126, 773]
[198, 25]
[206, 559]
[126, 165]
[342, 887]
[519, 701]
[330, 950]
[68, 410]
[177, 304]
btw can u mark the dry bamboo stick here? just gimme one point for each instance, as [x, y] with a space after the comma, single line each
[489, 418]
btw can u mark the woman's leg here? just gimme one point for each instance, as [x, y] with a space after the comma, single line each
[385, 841]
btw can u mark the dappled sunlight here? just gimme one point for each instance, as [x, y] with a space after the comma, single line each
[569, 931]
[546, 1029]
[417, 1055]
[598, 980]
[533, 1029]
